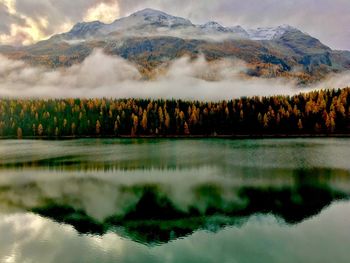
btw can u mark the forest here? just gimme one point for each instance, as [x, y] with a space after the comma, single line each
[319, 112]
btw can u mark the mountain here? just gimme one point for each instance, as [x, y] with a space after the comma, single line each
[149, 22]
[150, 17]
[239, 31]
[270, 33]
[136, 23]
[213, 26]
[151, 38]
[84, 30]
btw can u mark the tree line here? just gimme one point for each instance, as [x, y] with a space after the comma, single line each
[317, 112]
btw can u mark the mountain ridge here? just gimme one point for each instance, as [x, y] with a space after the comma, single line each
[151, 38]
[152, 17]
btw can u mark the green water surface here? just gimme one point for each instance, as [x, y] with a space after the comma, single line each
[189, 200]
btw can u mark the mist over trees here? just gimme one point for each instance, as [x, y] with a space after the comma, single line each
[318, 112]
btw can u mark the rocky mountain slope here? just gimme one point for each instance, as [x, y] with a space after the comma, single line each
[152, 38]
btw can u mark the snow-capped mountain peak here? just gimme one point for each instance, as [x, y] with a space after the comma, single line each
[154, 17]
[269, 33]
[149, 12]
[150, 21]
[214, 26]
[239, 31]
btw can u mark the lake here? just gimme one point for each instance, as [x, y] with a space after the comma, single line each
[188, 200]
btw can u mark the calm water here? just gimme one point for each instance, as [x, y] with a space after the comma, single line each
[175, 201]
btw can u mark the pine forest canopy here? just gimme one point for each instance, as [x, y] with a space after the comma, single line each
[317, 112]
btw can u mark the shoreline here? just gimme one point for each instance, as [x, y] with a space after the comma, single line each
[181, 137]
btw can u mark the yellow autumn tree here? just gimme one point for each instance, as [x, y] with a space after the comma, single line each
[144, 122]
[186, 129]
[300, 124]
[98, 127]
[40, 129]
[19, 133]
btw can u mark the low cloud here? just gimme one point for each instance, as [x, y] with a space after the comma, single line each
[101, 75]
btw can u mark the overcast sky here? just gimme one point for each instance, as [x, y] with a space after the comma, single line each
[27, 21]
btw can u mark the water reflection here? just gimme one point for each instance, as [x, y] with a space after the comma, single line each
[144, 195]
[30, 238]
[163, 207]
[108, 154]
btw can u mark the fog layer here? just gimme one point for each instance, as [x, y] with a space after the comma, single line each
[101, 75]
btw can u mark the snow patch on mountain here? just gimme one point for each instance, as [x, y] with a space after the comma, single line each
[150, 22]
[239, 31]
[213, 26]
[269, 33]
[147, 17]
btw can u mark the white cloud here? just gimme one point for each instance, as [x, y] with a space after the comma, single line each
[103, 12]
[101, 75]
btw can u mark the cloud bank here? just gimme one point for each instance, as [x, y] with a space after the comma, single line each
[101, 75]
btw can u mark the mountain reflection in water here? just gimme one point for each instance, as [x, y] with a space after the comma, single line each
[155, 219]
[156, 193]
[154, 211]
